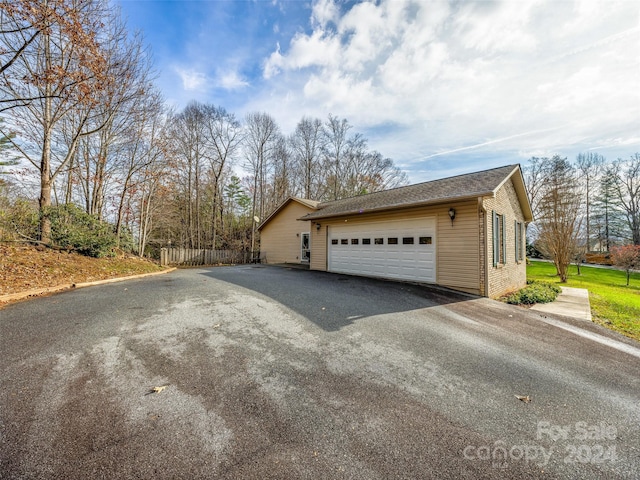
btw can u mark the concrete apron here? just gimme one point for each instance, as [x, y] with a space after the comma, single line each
[572, 302]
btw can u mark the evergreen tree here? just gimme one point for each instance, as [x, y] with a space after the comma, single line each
[607, 217]
[238, 207]
[589, 165]
[6, 149]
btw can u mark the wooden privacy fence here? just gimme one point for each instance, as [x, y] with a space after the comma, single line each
[196, 256]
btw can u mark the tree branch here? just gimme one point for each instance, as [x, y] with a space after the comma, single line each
[19, 51]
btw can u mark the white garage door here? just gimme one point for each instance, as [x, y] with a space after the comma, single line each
[400, 249]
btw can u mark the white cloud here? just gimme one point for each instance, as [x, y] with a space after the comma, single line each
[324, 12]
[318, 49]
[231, 80]
[196, 82]
[506, 77]
[192, 80]
[500, 27]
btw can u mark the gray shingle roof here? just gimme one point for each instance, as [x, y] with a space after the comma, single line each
[452, 188]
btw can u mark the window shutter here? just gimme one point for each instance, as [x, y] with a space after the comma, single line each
[504, 239]
[516, 230]
[496, 245]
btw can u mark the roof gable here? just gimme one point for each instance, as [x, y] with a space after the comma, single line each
[477, 184]
[311, 204]
[521, 190]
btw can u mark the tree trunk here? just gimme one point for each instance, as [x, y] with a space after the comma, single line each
[563, 276]
[45, 162]
[45, 202]
[97, 197]
[214, 214]
[68, 196]
[121, 201]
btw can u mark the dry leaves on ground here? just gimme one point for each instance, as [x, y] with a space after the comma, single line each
[25, 268]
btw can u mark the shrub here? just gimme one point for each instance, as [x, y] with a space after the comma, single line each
[626, 257]
[127, 242]
[74, 229]
[534, 292]
[18, 220]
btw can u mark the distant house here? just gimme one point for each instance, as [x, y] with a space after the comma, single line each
[465, 232]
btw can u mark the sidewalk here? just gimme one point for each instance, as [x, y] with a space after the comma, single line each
[572, 302]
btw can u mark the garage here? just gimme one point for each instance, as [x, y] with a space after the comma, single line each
[397, 249]
[441, 232]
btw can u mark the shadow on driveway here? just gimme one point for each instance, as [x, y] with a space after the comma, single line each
[331, 300]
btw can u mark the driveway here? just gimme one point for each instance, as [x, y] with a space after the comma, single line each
[283, 373]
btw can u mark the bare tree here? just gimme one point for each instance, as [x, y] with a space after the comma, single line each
[31, 28]
[534, 175]
[261, 134]
[350, 167]
[306, 147]
[143, 156]
[283, 173]
[559, 213]
[123, 101]
[47, 98]
[627, 186]
[368, 172]
[206, 142]
[335, 150]
[148, 181]
[191, 156]
[225, 135]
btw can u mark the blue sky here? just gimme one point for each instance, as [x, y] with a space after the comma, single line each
[441, 87]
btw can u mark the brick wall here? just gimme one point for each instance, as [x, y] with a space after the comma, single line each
[511, 275]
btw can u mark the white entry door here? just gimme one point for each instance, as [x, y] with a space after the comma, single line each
[305, 250]
[398, 249]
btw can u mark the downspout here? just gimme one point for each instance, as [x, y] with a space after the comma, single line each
[484, 255]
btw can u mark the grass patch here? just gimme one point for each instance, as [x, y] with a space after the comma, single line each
[613, 304]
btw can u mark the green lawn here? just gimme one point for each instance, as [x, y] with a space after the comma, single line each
[613, 304]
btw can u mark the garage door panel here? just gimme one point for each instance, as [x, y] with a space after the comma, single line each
[405, 259]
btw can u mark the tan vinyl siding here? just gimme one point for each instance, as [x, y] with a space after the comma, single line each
[318, 247]
[457, 256]
[457, 248]
[280, 238]
[510, 275]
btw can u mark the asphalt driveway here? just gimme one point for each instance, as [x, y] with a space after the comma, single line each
[283, 373]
